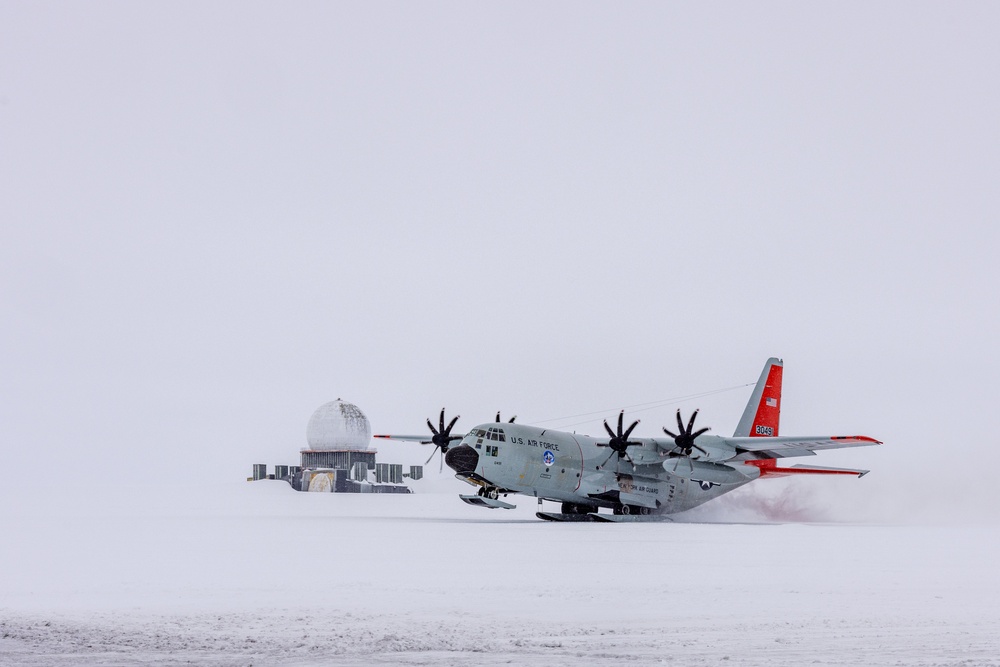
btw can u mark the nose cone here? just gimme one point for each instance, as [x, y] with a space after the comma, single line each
[462, 459]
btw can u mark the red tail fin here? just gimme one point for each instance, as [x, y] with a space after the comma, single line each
[762, 414]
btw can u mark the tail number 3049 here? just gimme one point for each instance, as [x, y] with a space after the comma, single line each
[764, 430]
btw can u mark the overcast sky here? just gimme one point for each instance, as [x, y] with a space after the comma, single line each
[215, 217]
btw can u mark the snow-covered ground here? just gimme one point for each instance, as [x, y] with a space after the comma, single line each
[254, 573]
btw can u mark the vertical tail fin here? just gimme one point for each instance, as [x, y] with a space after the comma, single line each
[760, 418]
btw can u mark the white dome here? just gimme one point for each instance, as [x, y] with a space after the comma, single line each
[338, 425]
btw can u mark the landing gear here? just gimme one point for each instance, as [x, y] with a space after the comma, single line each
[573, 508]
[626, 510]
[490, 492]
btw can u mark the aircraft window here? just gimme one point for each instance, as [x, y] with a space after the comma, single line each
[480, 433]
[502, 439]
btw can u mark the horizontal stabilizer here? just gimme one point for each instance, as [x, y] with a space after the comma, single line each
[769, 468]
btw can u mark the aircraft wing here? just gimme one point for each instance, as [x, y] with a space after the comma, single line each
[422, 439]
[788, 446]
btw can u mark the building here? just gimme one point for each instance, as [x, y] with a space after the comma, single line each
[338, 456]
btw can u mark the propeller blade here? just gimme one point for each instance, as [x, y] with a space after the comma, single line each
[608, 459]
[498, 416]
[629, 458]
[451, 424]
[442, 419]
[699, 449]
[431, 427]
[621, 415]
[433, 452]
[668, 432]
[691, 421]
[608, 429]
[680, 422]
[699, 432]
[629, 431]
[441, 464]
[511, 420]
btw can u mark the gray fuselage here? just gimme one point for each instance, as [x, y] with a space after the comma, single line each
[573, 469]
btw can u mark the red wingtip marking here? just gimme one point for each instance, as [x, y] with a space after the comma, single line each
[862, 438]
[769, 468]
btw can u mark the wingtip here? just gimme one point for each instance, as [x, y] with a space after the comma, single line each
[861, 438]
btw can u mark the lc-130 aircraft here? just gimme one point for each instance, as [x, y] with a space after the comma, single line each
[639, 479]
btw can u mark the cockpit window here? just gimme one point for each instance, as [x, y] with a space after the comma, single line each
[480, 433]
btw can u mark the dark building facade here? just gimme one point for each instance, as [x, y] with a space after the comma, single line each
[338, 458]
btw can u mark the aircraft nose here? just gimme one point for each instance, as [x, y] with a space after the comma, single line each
[462, 459]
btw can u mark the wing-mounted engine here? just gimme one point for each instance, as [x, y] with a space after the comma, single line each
[440, 437]
[693, 455]
[711, 449]
[619, 442]
[689, 445]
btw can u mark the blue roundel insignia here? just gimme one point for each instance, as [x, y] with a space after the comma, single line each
[548, 458]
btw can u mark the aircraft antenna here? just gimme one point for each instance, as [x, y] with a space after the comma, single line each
[642, 407]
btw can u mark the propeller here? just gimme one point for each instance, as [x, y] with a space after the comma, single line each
[684, 439]
[509, 421]
[619, 442]
[442, 438]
